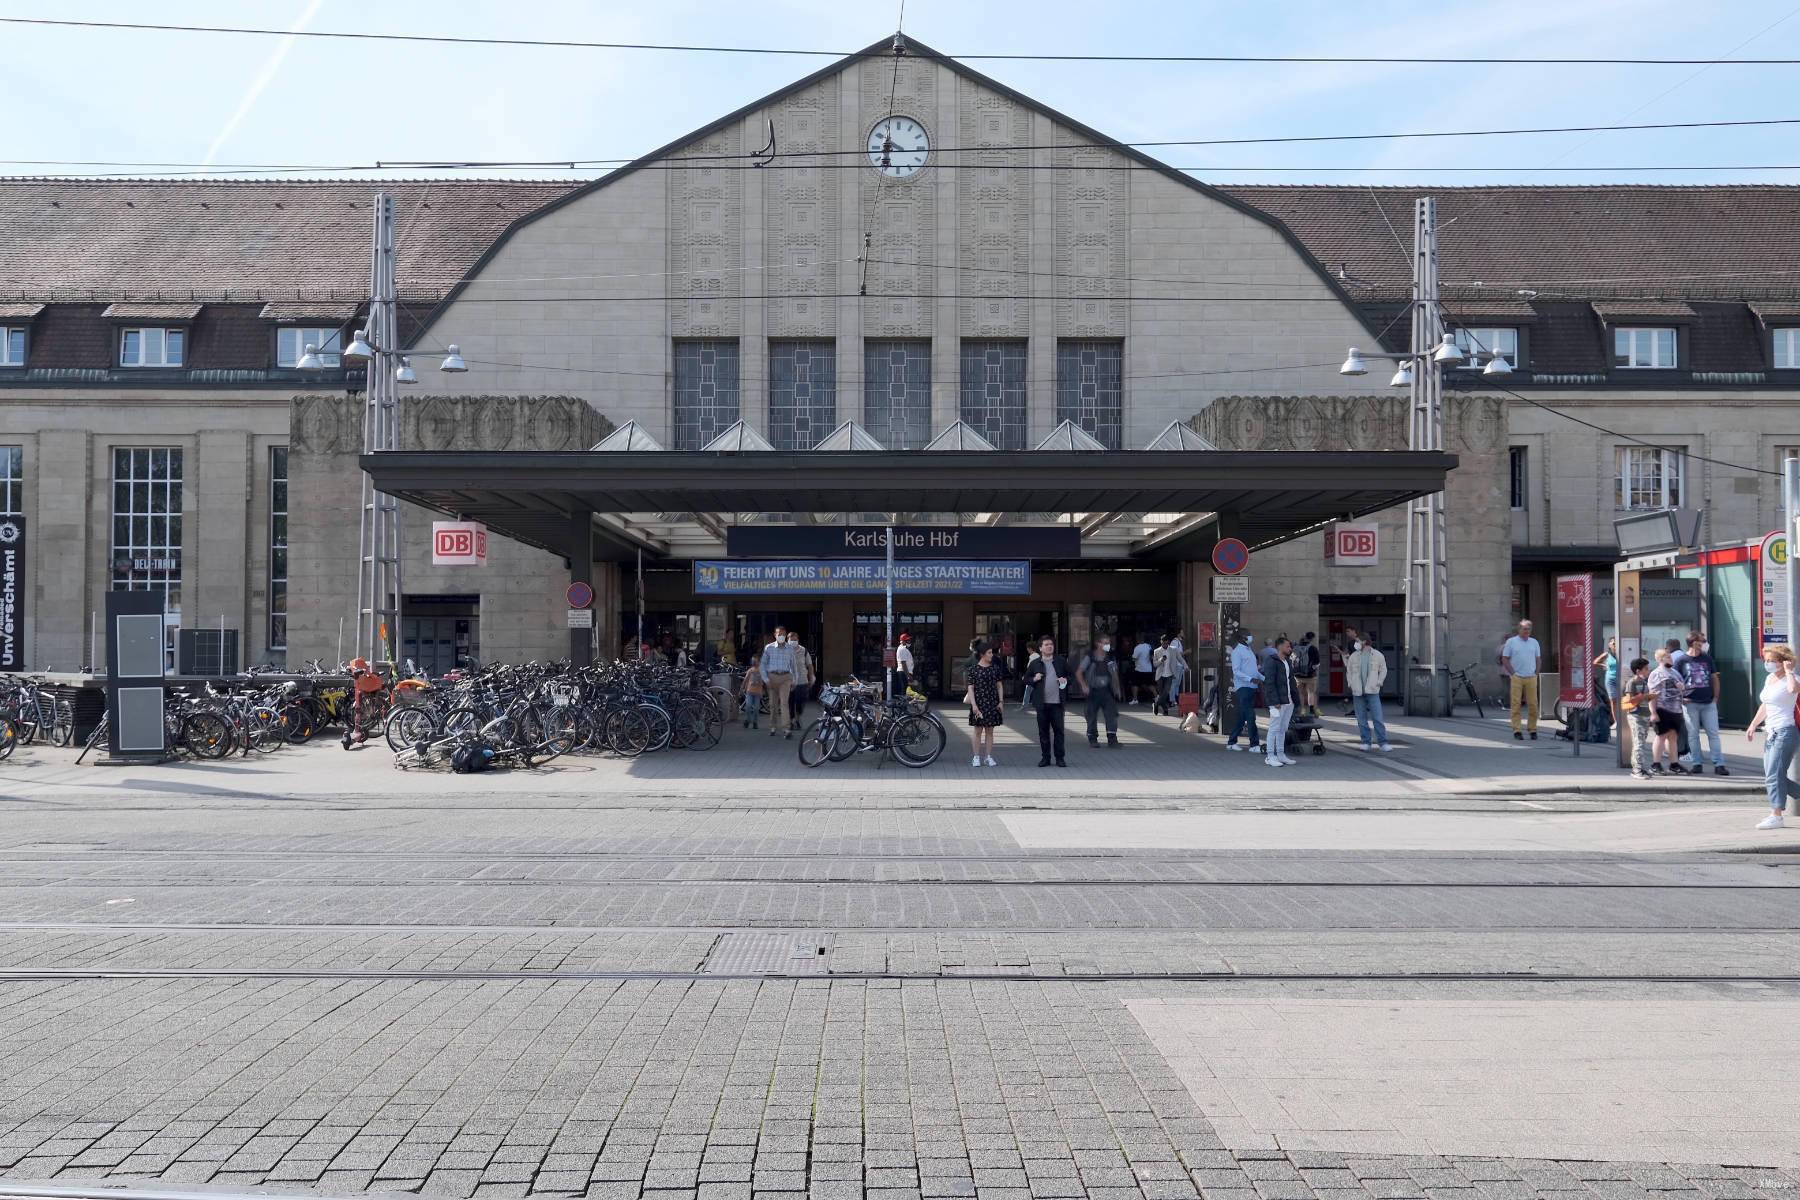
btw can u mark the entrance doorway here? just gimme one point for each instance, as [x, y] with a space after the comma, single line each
[927, 629]
[754, 629]
[441, 633]
[1014, 635]
[1380, 619]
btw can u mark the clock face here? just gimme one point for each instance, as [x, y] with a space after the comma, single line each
[898, 147]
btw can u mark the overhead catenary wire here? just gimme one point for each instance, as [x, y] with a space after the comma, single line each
[814, 52]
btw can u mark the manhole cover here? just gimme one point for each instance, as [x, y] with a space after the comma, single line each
[768, 954]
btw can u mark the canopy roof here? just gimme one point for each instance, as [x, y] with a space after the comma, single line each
[1144, 504]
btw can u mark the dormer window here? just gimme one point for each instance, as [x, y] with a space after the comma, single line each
[1787, 349]
[291, 342]
[12, 346]
[1640, 348]
[152, 346]
[1478, 345]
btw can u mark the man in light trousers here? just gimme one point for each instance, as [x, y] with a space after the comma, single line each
[1365, 671]
[778, 673]
[1700, 679]
[1521, 654]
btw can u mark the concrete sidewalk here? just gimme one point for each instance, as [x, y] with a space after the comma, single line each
[1461, 757]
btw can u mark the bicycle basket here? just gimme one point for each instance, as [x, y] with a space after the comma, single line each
[369, 683]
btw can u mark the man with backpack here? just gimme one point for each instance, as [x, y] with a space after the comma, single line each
[1306, 673]
[1100, 682]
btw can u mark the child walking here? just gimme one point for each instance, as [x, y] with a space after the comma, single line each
[753, 693]
[1635, 702]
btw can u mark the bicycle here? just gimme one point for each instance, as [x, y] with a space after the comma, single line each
[1462, 685]
[857, 721]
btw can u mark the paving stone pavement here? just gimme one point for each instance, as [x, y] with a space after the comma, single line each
[227, 1025]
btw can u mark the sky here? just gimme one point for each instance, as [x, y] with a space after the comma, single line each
[222, 100]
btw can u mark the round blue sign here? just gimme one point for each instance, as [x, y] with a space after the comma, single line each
[1230, 556]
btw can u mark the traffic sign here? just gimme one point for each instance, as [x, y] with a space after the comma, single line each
[1230, 556]
[580, 595]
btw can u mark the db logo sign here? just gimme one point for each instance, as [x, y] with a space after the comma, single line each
[458, 544]
[1353, 545]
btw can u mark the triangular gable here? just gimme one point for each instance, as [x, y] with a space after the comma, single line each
[739, 437]
[1070, 436]
[916, 49]
[959, 437]
[1176, 436]
[629, 436]
[849, 436]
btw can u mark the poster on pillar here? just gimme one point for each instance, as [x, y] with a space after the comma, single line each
[1574, 638]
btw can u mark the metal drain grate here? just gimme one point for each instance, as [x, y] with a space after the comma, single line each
[768, 954]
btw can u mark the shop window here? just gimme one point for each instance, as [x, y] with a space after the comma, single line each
[897, 393]
[1090, 388]
[802, 393]
[706, 391]
[994, 392]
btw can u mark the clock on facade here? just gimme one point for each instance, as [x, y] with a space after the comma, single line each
[898, 147]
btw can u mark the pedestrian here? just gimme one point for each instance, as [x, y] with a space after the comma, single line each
[1048, 678]
[903, 666]
[754, 687]
[1776, 713]
[1673, 646]
[1143, 669]
[1245, 675]
[1666, 714]
[1306, 672]
[1160, 675]
[1365, 673]
[778, 675]
[803, 681]
[1634, 702]
[986, 707]
[1701, 676]
[1608, 663]
[1281, 694]
[1520, 654]
[1100, 684]
[1026, 695]
[1178, 669]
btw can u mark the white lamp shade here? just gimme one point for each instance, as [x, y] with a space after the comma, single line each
[1354, 364]
[453, 361]
[359, 350]
[310, 360]
[404, 373]
[1448, 351]
[1497, 366]
[1403, 376]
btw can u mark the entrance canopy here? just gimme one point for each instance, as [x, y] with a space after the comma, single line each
[1144, 505]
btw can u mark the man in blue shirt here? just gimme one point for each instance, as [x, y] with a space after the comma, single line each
[1521, 653]
[1245, 675]
[778, 674]
[1700, 678]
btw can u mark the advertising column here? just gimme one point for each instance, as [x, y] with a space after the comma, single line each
[1575, 648]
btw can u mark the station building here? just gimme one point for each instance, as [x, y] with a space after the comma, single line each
[1015, 327]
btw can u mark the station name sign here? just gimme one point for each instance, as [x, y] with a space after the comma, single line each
[910, 541]
[838, 577]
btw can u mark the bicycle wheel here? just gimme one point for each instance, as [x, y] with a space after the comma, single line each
[9, 740]
[408, 727]
[62, 730]
[463, 722]
[626, 732]
[848, 738]
[662, 730]
[207, 734]
[1476, 701]
[268, 729]
[817, 743]
[562, 733]
[915, 741]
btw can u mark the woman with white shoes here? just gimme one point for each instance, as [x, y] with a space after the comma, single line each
[1779, 693]
[986, 709]
[1282, 694]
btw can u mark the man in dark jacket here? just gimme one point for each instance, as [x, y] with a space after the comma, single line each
[1048, 678]
[1100, 683]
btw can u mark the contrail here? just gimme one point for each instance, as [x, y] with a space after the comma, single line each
[263, 78]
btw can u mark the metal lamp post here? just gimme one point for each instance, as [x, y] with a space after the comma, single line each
[377, 343]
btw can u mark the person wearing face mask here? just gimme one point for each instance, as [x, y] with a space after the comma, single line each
[1245, 675]
[1281, 694]
[777, 669]
[1701, 676]
[1100, 683]
[1779, 691]
[1365, 671]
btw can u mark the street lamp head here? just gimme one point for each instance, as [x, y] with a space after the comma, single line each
[359, 351]
[1354, 364]
[1497, 365]
[309, 359]
[404, 373]
[1448, 351]
[453, 361]
[1403, 376]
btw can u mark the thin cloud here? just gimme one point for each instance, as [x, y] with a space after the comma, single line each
[263, 78]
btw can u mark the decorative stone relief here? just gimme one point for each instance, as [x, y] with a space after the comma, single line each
[321, 426]
[1093, 240]
[899, 214]
[800, 215]
[994, 199]
[706, 206]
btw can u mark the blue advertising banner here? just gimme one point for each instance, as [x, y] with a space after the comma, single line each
[820, 577]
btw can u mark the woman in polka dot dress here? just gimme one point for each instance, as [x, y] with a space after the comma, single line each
[986, 709]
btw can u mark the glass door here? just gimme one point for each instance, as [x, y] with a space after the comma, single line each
[927, 631]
